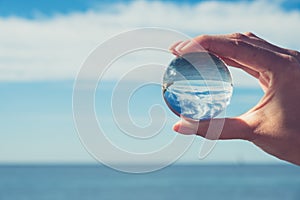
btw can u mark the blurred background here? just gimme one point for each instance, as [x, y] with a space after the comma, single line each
[42, 46]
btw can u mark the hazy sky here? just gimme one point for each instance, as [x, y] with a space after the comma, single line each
[44, 43]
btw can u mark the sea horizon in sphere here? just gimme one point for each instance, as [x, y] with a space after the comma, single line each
[197, 86]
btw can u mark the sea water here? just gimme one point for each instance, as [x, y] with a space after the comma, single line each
[197, 86]
[93, 182]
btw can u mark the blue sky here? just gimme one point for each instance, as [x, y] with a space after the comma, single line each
[45, 42]
[50, 7]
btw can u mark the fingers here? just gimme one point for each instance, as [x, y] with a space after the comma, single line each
[228, 128]
[176, 48]
[180, 48]
[246, 54]
[172, 48]
[255, 40]
[247, 50]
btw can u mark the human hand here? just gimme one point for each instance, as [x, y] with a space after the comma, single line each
[273, 124]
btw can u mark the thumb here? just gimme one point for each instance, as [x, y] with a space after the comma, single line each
[214, 129]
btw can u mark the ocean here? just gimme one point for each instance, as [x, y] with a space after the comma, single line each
[88, 182]
[53, 139]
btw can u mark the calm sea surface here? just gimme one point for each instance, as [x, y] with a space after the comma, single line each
[175, 182]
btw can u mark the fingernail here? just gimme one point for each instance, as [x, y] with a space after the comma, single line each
[176, 127]
[181, 45]
[192, 46]
[184, 129]
[174, 45]
[175, 53]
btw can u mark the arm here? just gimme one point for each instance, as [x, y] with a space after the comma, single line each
[274, 123]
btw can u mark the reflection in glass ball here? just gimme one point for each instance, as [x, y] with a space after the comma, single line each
[197, 86]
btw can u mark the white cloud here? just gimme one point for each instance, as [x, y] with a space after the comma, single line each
[51, 49]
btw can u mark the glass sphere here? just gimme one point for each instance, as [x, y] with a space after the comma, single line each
[197, 86]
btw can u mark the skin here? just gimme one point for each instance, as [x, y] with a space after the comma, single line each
[274, 123]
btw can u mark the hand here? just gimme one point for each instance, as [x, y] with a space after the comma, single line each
[274, 123]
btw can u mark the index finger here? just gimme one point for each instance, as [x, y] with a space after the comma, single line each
[255, 57]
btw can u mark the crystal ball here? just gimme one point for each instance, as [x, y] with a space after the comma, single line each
[197, 86]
